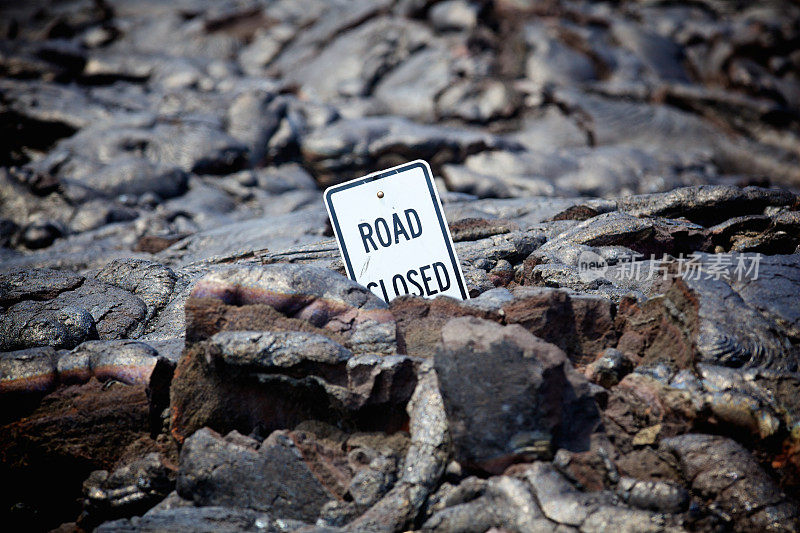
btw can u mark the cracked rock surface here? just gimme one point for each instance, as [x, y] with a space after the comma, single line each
[180, 349]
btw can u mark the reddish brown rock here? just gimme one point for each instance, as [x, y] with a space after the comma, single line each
[472, 229]
[640, 412]
[641, 403]
[663, 329]
[420, 321]
[152, 244]
[75, 430]
[262, 381]
[580, 325]
[288, 297]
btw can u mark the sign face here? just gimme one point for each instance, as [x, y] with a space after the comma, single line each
[393, 236]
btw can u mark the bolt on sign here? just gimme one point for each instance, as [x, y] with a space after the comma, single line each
[393, 236]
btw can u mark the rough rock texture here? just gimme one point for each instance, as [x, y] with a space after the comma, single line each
[533, 401]
[724, 472]
[76, 430]
[201, 519]
[249, 380]
[270, 477]
[579, 325]
[255, 298]
[180, 349]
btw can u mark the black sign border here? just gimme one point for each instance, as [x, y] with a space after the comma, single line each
[436, 205]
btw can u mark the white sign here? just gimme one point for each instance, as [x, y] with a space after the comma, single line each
[393, 236]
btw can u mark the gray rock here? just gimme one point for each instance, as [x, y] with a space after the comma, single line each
[609, 368]
[645, 125]
[238, 472]
[513, 173]
[550, 129]
[90, 310]
[462, 178]
[95, 214]
[706, 205]
[722, 471]
[23, 206]
[35, 285]
[171, 320]
[321, 23]
[113, 159]
[253, 118]
[268, 351]
[284, 178]
[240, 239]
[413, 87]
[454, 15]
[590, 511]
[348, 146]
[126, 175]
[654, 495]
[744, 319]
[29, 324]
[529, 212]
[423, 464]
[531, 399]
[211, 519]
[352, 63]
[535, 498]
[134, 486]
[64, 108]
[504, 502]
[370, 484]
[643, 235]
[480, 102]
[551, 61]
[559, 499]
[151, 282]
[660, 55]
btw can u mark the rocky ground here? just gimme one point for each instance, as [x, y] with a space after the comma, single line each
[181, 349]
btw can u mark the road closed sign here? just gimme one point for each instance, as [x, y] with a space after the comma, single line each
[393, 236]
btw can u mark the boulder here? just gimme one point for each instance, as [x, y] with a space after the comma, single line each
[290, 297]
[510, 396]
[239, 472]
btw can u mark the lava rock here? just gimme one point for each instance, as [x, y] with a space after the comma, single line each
[238, 472]
[129, 489]
[92, 310]
[151, 282]
[35, 285]
[704, 204]
[542, 311]
[348, 146]
[28, 324]
[290, 297]
[281, 379]
[209, 519]
[32, 370]
[350, 65]
[532, 398]
[77, 429]
[724, 472]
